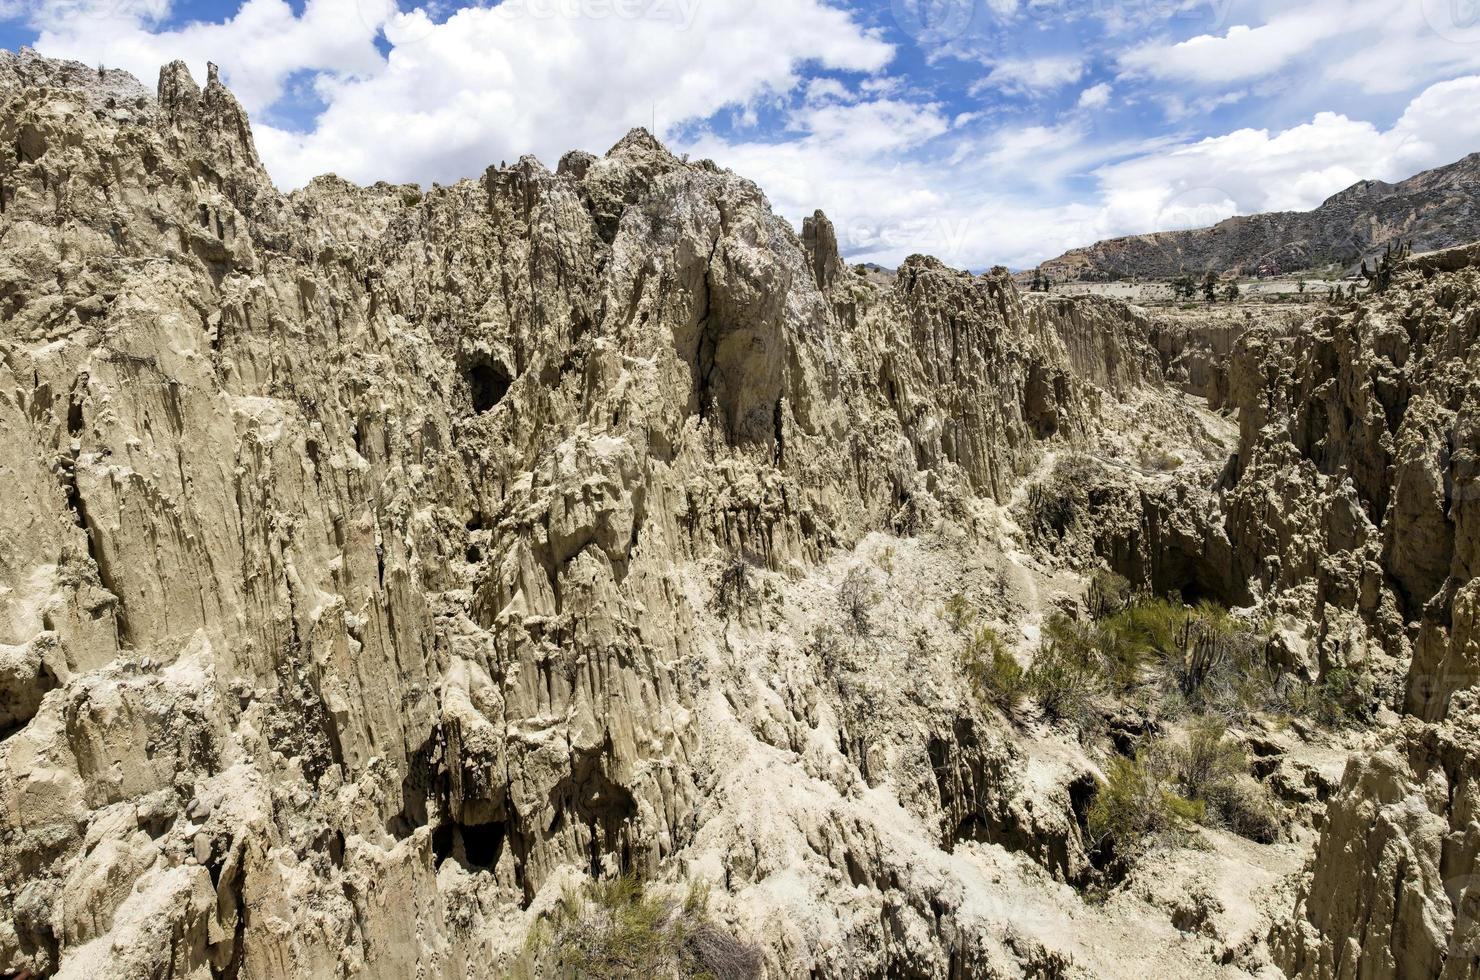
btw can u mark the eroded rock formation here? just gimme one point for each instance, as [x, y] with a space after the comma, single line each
[380, 563]
[346, 529]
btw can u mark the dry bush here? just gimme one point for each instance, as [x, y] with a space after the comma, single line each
[857, 598]
[736, 589]
[958, 612]
[617, 930]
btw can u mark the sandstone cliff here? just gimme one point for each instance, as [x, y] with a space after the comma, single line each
[384, 564]
[348, 595]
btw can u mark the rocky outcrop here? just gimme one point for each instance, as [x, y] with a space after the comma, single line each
[1372, 406]
[1394, 889]
[1107, 342]
[383, 562]
[351, 609]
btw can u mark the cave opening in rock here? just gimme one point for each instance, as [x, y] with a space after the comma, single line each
[482, 844]
[477, 847]
[488, 383]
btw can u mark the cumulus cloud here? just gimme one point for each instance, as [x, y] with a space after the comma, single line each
[486, 83]
[1376, 46]
[1095, 97]
[261, 47]
[1254, 170]
[992, 196]
[819, 112]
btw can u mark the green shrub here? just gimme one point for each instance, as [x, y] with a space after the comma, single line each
[994, 672]
[618, 929]
[1338, 699]
[1208, 760]
[959, 613]
[1188, 811]
[1131, 805]
[1206, 657]
[1247, 809]
[1169, 784]
[1065, 676]
[1212, 770]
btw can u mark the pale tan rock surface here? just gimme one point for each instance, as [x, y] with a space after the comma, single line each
[371, 560]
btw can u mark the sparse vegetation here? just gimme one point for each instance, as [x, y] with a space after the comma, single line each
[958, 612]
[994, 672]
[1177, 660]
[857, 598]
[1131, 805]
[1176, 782]
[885, 560]
[1108, 594]
[736, 589]
[620, 929]
[1339, 698]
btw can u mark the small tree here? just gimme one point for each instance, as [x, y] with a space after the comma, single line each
[1231, 292]
[1210, 287]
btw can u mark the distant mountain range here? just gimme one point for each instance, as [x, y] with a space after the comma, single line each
[1435, 209]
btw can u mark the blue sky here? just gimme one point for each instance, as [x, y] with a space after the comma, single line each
[982, 131]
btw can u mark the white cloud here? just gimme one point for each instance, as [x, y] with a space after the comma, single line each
[827, 90]
[1376, 46]
[1020, 75]
[1095, 97]
[1253, 170]
[996, 196]
[871, 128]
[1243, 52]
[259, 48]
[899, 166]
[525, 76]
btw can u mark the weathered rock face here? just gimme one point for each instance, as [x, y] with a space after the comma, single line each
[1107, 342]
[1395, 888]
[343, 602]
[378, 563]
[1356, 493]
